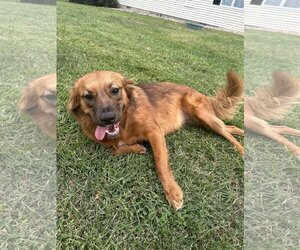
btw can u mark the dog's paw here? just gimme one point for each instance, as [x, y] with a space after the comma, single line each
[141, 150]
[242, 152]
[135, 148]
[174, 196]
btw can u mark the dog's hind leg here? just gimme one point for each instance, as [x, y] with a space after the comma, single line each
[197, 107]
[284, 130]
[234, 130]
[217, 125]
[261, 127]
[282, 140]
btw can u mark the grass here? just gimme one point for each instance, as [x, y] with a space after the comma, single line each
[271, 172]
[107, 202]
[27, 158]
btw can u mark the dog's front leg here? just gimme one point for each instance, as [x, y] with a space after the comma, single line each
[134, 148]
[172, 190]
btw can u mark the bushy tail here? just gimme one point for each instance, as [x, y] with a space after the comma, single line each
[274, 101]
[229, 97]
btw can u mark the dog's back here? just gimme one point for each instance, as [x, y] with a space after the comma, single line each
[168, 104]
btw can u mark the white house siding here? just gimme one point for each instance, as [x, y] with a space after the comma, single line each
[201, 11]
[272, 17]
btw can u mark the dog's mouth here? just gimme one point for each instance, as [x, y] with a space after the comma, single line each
[109, 131]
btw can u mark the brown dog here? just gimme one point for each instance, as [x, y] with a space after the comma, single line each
[272, 103]
[38, 101]
[116, 113]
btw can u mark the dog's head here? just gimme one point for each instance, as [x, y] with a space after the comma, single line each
[38, 101]
[103, 96]
[39, 95]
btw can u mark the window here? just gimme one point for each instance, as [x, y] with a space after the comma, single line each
[230, 3]
[239, 4]
[292, 3]
[280, 3]
[217, 2]
[227, 2]
[256, 2]
[273, 2]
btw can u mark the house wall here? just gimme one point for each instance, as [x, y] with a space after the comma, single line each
[272, 17]
[202, 11]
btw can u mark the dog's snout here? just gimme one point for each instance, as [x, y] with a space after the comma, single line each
[107, 117]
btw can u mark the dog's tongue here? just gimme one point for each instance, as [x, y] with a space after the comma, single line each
[100, 132]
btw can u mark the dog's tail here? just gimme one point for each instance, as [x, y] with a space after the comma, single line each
[274, 101]
[229, 97]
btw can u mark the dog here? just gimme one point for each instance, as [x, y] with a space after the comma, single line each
[272, 103]
[116, 113]
[38, 101]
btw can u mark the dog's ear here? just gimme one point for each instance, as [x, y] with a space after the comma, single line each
[128, 81]
[128, 87]
[28, 99]
[74, 100]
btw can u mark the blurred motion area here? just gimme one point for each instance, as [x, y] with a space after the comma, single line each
[272, 124]
[28, 118]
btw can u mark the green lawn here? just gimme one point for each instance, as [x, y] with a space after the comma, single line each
[27, 158]
[107, 202]
[272, 183]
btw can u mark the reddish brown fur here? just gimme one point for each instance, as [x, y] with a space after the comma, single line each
[34, 103]
[272, 103]
[151, 112]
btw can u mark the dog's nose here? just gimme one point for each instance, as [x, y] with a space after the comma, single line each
[108, 117]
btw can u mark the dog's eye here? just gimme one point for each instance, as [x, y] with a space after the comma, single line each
[88, 97]
[50, 97]
[115, 91]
